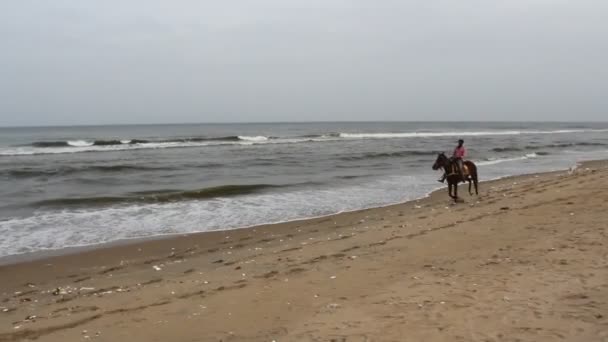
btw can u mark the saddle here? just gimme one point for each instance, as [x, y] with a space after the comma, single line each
[465, 169]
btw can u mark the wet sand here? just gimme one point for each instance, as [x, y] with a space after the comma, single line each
[524, 261]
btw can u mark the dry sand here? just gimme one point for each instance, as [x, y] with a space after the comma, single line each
[526, 261]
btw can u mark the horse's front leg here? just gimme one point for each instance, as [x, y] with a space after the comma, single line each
[470, 192]
[456, 191]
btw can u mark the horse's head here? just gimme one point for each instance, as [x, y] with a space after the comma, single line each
[441, 161]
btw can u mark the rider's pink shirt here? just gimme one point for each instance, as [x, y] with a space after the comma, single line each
[460, 152]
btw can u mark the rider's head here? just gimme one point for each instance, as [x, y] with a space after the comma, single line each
[460, 142]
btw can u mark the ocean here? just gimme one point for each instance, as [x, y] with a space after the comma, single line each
[78, 186]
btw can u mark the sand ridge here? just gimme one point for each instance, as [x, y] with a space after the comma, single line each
[524, 261]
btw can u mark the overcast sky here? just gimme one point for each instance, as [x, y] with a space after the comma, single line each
[153, 61]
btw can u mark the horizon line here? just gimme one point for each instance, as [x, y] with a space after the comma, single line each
[291, 122]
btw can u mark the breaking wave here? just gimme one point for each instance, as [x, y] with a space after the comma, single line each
[493, 161]
[157, 196]
[398, 154]
[73, 146]
[29, 172]
[548, 146]
[458, 134]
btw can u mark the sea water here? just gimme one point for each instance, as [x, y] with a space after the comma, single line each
[76, 186]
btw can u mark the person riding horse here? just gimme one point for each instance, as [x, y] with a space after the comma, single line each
[454, 176]
[460, 152]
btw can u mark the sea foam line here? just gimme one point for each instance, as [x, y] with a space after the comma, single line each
[460, 134]
[76, 146]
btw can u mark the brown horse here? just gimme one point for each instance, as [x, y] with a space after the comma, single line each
[453, 177]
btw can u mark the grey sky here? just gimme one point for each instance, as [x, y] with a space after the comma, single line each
[152, 61]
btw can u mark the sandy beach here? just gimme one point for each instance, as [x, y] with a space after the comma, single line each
[524, 261]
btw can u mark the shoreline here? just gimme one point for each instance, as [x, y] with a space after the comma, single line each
[74, 250]
[526, 259]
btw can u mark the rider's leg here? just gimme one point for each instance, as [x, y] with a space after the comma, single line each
[450, 170]
[443, 177]
[460, 168]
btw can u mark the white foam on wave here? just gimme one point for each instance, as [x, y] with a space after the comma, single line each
[421, 134]
[126, 145]
[459, 134]
[21, 151]
[110, 148]
[505, 160]
[80, 143]
[253, 138]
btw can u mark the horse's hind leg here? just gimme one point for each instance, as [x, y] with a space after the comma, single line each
[470, 192]
[475, 181]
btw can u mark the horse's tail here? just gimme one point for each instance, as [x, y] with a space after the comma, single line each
[473, 170]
